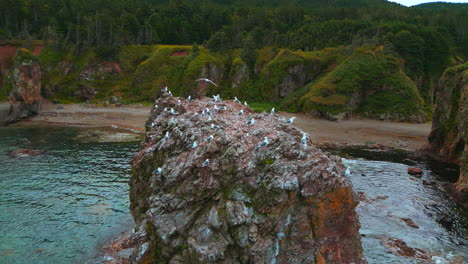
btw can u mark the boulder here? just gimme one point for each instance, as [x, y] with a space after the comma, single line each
[232, 200]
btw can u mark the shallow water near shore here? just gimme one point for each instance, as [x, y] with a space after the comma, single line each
[59, 206]
[389, 195]
[62, 205]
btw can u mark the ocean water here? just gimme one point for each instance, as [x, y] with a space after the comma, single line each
[60, 206]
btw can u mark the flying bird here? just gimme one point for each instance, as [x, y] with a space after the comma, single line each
[206, 80]
[291, 120]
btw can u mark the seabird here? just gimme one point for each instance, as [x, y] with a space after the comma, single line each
[164, 89]
[236, 100]
[166, 137]
[209, 118]
[264, 143]
[203, 113]
[170, 93]
[216, 108]
[208, 112]
[251, 122]
[194, 144]
[179, 102]
[151, 125]
[245, 103]
[206, 163]
[223, 108]
[291, 120]
[173, 112]
[206, 80]
[209, 139]
[189, 98]
[241, 112]
[304, 139]
[157, 171]
[213, 126]
[155, 106]
[165, 109]
[272, 112]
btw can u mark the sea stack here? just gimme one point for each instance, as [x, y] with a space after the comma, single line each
[282, 203]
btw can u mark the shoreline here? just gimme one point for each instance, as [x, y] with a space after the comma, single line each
[347, 133]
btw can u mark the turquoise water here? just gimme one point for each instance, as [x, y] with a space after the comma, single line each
[60, 206]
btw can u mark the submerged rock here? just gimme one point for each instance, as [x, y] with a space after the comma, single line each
[277, 203]
[24, 153]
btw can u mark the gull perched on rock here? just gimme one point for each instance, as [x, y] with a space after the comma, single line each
[236, 100]
[173, 112]
[151, 125]
[170, 93]
[164, 90]
[272, 112]
[213, 126]
[264, 143]
[207, 111]
[189, 98]
[304, 139]
[223, 107]
[206, 163]
[216, 98]
[179, 102]
[155, 107]
[194, 145]
[291, 120]
[245, 103]
[206, 80]
[251, 121]
[241, 112]
[216, 108]
[209, 139]
[157, 171]
[165, 109]
[166, 137]
[209, 118]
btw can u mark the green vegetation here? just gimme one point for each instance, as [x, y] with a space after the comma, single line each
[365, 57]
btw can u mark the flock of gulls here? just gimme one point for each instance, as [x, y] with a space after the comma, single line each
[208, 114]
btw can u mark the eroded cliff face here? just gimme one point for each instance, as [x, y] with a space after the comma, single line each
[449, 135]
[25, 99]
[231, 200]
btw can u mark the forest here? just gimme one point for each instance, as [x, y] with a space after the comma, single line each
[422, 41]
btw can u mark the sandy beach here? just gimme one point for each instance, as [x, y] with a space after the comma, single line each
[358, 131]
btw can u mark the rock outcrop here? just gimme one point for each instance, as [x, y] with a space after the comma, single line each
[25, 99]
[230, 199]
[449, 135]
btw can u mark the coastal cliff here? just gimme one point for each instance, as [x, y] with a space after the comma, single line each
[449, 135]
[205, 189]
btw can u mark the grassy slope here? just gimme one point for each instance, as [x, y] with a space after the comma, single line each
[338, 73]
